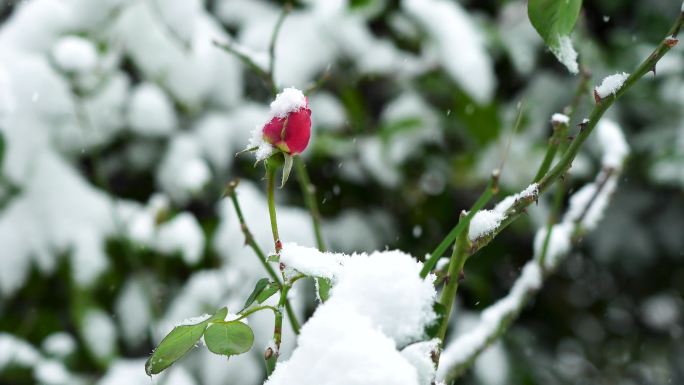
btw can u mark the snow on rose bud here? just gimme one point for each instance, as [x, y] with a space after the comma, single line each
[287, 131]
[290, 129]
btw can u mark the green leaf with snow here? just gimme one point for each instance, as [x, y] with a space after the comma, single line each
[554, 20]
[178, 342]
[229, 338]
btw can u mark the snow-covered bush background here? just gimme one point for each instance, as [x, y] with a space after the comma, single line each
[120, 121]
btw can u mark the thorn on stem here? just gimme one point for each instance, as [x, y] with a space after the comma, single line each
[597, 97]
[654, 70]
[583, 125]
[461, 276]
[268, 353]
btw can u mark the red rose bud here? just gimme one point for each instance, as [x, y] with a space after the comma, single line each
[290, 128]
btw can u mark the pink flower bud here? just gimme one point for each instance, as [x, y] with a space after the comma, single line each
[290, 128]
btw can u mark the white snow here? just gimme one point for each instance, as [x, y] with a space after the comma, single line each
[559, 244]
[613, 144]
[59, 344]
[682, 6]
[329, 110]
[263, 148]
[183, 171]
[611, 84]
[384, 287]
[194, 320]
[133, 311]
[7, 102]
[311, 262]
[530, 192]
[184, 234]
[566, 54]
[57, 210]
[484, 222]
[202, 73]
[178, 375]
[377, 304]
[583, 198]
[662, 311]
[217, 140]
[357, 230]
[519, 38]
[36, 25]
[559, 118]
[14, 351]
[466, 345]
[51, 372]
[492, 366]
[151, 112]
[125, 372]
[420, 356]
[99, 333]
[288, 100]
[75, 54]
[180, 18]
[339, 346]
[458, 43]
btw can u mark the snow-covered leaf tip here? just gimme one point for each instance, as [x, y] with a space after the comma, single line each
[554, 20]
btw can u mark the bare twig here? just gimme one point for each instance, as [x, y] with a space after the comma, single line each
[586, 128]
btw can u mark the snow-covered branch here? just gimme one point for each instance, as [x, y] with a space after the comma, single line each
[586, 208]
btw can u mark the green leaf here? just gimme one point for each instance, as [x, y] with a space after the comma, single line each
[324, 287]
[268, 291]
[229, 338]
[258, 288]
[174, 346]
[433, 329]
[178, 342]
[553, 20]
[220, 315]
